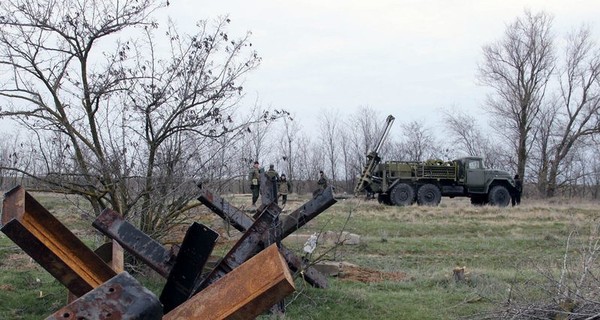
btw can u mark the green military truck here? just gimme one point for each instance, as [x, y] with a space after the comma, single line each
[403, 183]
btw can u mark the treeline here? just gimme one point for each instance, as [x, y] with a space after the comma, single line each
[338, 146]
[135, 124]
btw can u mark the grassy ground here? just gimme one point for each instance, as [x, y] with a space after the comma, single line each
[505, 251]
[499, 248]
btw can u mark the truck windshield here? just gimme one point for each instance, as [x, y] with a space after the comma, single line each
[474, 164]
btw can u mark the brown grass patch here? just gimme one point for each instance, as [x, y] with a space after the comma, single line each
[366, 275]
[19, 261]
[6, 287]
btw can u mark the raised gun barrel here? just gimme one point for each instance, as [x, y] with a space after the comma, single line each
[373, 158]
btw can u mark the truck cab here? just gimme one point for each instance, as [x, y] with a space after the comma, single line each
[473, 173]
[484, 185]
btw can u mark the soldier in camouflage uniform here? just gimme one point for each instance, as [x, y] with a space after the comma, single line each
[284, 188]
[322, 183]
[516, 195]
[254, 178]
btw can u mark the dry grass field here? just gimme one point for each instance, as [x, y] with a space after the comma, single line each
[536, 254]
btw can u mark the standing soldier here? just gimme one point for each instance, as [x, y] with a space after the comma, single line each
[516, 197]
[273, 178]
[284, 188]
[254, 178]
[322, 183]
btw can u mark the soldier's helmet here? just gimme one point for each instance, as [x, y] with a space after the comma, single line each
[271, 166]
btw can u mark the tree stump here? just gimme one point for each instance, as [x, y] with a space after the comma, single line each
[459, 274]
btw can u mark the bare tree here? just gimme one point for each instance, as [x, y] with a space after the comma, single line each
[288, 145]
[364, 126]
[304, 170]
[10, 156]
[316, 162]
[329, 127]
[578, 107]
[518, 68]
[594, 168]
[346, 153]
[260, 135]
[468, 139]
[540, 155]
[419, 143]
[466, 136]
[128, 122]
[221, 169]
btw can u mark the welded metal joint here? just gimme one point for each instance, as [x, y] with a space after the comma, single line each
[241, 221]
[244, 249]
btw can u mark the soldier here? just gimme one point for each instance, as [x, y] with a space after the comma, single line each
[284, 188]
[322, 183]
[273, 178]
[516, 196]
[254, 178]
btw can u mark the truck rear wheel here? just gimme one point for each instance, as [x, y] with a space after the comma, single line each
[429, 195]
[402, 194]
[499, 196]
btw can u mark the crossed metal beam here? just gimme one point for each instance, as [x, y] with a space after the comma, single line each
[296, 219]
[50, 243]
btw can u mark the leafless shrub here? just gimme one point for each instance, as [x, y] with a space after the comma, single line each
[570, 290]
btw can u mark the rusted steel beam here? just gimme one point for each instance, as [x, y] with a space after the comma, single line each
[44, 238]
[150, 251]
[112, 254]
[195, 250]
[121, 297]
[308, 273]
[293, 222]
[268, 190]
[306, 212]
[246, 246]
[244, 293]
[234, 216]
[241, 221]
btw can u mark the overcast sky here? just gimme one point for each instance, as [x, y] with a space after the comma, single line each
[407, 58]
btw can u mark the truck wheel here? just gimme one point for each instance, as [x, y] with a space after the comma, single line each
[429, 195]
[402, 195]
[499, 196]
